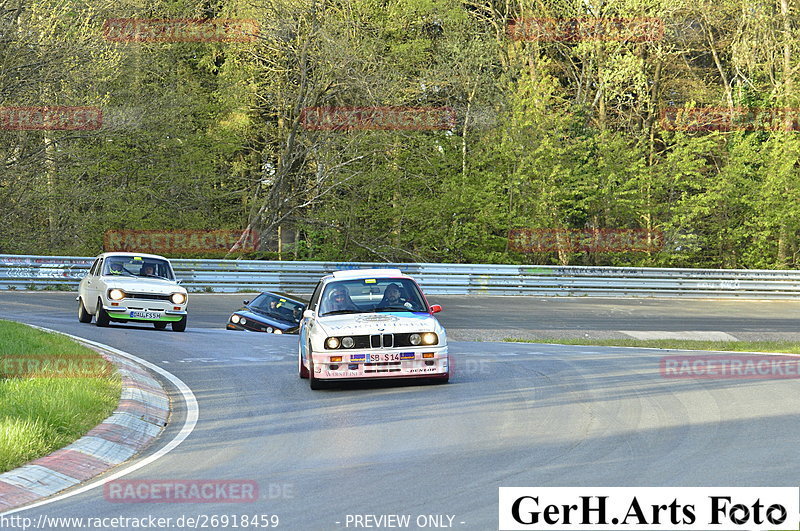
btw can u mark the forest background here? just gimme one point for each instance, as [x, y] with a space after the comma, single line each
[564, 133]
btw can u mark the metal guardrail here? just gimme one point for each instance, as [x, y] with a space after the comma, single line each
[22, 272]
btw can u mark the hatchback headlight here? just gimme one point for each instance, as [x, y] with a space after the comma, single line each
[178, 298]
[429, 338]
[116, 294]
[414, 339]
[348, 342]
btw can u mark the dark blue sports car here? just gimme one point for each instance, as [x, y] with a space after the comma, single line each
[273, 313]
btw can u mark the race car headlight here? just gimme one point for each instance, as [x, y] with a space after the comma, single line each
[116, 294]
[242, 320]
[235, 319]
[332, 343]
[348, 342]
[429, 338]
[277, 331]
[414, 339]
[177, 298]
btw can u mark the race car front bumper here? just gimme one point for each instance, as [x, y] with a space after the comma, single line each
[420, 362]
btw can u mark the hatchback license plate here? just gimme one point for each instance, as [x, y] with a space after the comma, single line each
[145, 315]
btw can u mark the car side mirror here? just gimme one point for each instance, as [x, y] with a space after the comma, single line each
[435, 308]
[308, 314]
[245, 301]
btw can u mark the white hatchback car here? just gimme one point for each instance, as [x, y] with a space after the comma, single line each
[134, 287]
[371, 324]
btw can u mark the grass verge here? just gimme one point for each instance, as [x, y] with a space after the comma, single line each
[790, 347]
[42, 412]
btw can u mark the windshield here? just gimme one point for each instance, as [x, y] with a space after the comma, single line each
[135, 266]
[371, 295]
[278, 307]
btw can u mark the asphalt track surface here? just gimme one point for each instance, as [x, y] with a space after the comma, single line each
[513, 415]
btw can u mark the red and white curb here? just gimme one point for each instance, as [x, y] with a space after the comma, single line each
[140, 417]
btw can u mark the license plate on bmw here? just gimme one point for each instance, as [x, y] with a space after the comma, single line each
[145, 315]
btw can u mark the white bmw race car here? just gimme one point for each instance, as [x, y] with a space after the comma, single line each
[371, 324]
[125, 287]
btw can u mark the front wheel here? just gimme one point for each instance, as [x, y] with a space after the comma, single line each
[179, 326]
[316, 384]
[102, 318]
[160, 325]
[83, 315]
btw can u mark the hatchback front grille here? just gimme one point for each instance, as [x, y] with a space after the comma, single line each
[147, 296]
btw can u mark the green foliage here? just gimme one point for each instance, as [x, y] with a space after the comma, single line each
[548, 134]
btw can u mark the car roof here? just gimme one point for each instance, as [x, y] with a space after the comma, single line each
[368, 273]
[127, 255]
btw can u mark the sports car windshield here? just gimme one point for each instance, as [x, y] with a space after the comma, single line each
[135, 266]
[371, 295]
[278, 307]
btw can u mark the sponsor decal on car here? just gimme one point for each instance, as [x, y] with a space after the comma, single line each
[342, 373]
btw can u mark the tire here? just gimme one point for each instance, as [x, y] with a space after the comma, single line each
[160, 325]
[315, 383]
[302, 368]
[101, 317]
[83, 315]
[179, 326]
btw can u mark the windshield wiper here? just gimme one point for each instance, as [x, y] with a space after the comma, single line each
[337, 312]
[392, 309]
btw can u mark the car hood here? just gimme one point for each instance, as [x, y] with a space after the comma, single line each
[370, 323]
[143, 285]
